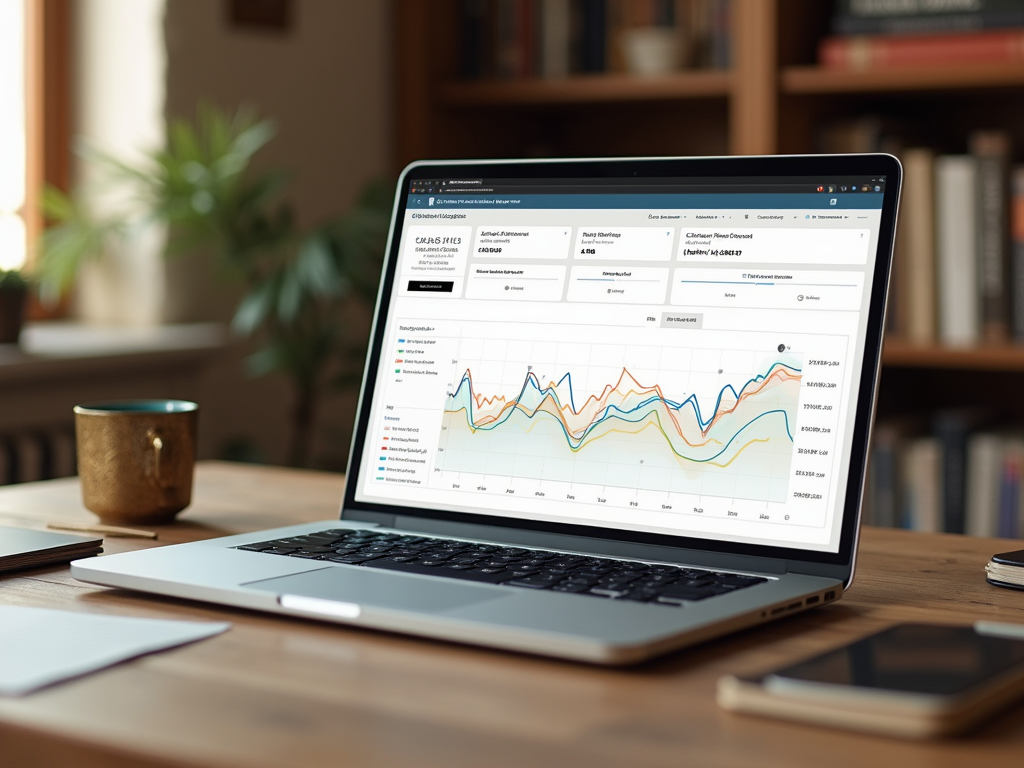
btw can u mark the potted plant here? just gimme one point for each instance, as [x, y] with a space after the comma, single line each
[13, 292]
[297, 283]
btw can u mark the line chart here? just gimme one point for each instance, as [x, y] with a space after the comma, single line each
[629, 433]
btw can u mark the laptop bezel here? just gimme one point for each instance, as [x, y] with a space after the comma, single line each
[818, 166]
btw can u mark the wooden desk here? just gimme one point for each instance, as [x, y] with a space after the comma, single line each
[282, 692]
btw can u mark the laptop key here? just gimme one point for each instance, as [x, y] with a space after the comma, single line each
[530, 583]
[468, 575]
[685, 593]
[736, 580]
[603, 592]
[351, 559]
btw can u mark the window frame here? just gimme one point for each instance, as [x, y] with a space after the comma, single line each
[48, 118]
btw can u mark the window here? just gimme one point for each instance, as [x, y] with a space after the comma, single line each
[13, 154]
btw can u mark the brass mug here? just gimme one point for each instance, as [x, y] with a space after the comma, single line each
[135, 458]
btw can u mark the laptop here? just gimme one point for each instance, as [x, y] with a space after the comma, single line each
[611, 408]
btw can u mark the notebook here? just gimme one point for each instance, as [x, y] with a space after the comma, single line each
[27, 548]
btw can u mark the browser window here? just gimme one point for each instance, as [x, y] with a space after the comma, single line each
[678, 357]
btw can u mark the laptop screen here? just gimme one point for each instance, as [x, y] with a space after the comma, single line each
[676, 355]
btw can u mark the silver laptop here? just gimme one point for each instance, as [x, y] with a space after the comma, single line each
[610, 408]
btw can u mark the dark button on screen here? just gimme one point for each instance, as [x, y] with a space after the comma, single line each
[432, 286]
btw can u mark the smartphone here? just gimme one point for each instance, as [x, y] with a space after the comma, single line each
[910, 680]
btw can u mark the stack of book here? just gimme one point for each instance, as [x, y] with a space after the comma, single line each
[954, 475]
[881, 34]
[958, 268]
[518, 39]
[960, 255]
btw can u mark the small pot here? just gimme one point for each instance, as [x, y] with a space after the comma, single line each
[12, 314]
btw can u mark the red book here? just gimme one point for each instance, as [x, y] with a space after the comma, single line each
[882, 51]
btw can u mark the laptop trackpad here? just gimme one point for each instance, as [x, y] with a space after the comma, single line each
[379, 589]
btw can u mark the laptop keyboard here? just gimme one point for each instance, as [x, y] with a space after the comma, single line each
[608, 578]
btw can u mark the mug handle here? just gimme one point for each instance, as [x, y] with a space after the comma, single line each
[157, 443]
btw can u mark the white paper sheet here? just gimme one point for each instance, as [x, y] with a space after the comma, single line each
[41, 646]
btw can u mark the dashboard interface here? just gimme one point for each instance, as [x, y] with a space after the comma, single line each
[678, 357]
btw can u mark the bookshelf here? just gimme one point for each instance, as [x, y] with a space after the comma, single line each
[588, 89]
[773, 99]
[807, 80]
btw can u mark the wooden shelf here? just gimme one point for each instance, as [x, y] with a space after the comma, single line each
[901, 354]
[818, 80]
[588, 89]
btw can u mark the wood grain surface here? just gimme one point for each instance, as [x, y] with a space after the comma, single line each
[284, 692]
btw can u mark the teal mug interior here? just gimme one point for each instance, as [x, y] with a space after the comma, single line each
[138, 406]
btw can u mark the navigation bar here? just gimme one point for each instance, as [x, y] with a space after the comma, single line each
[810, 201]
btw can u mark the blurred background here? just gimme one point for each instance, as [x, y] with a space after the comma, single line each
[194, 196]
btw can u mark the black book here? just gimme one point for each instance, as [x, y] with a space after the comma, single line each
[952, 428]
[594, 39]
[1006, 570]
[908, 17]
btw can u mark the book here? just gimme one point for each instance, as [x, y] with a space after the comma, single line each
[555, 38]
[885, 467]
[860, 17]
[1017, 250]
[26, 548]
[1010, 496]
[472, 32]
[721, 34]
[952, 428]
[1006, 570]
[984, 482]
[593, 38]
[920, 471]
[917, 233]
[863, 52]
[992, 152]
[956, 249]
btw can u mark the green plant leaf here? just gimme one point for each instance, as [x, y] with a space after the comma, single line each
[314, 266]
[253, 309]
[289, 298]
[265, 361]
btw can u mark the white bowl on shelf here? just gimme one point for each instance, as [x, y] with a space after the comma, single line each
[652, 50]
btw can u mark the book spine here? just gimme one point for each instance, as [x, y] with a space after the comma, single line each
[992, 150]
[555, 38]
[951, 430]
[721, 34]
[869, 501]
[846, 24]
[880, 51]
[922, 480]
[918, 234]
[1017, 249]
[472, 34]
[984, 462]
[526, 38]
[594, 36]
[886, 482]
[870, 9]
[1009, 501]
[956, 242]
